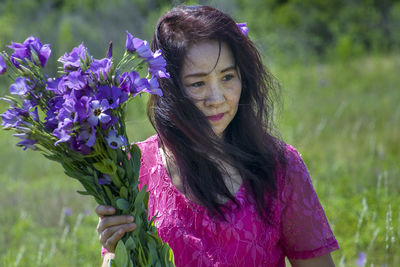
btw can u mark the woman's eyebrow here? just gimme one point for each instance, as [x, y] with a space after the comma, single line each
[228, 69]
[200, 74]
[196, 74]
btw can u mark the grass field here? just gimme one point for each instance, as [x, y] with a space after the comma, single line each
[344, 118]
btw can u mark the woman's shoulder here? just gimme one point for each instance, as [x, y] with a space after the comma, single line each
[294, 169]
[150, 140]
[150, 144]
[149, 150]
[292, 156]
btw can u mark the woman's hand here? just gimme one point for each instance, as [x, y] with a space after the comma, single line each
[112, 228]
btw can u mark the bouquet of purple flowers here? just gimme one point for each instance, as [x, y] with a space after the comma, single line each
[78, 120]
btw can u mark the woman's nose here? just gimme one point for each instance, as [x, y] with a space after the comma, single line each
[215, 95]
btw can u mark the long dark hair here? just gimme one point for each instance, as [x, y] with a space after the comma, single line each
[247, 144]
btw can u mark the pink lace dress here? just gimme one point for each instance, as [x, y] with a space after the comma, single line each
[300, 228]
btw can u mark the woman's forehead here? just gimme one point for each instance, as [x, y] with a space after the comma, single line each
[205, 56]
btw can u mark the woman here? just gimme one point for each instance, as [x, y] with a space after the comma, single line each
[225, 190]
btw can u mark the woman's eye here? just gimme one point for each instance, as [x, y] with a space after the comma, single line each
[197, 84]
[228, 77]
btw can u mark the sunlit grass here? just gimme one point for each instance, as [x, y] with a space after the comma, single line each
[344, 118]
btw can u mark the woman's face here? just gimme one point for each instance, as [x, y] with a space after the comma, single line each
[213, 82]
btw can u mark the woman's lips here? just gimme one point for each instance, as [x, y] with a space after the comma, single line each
[216, 117]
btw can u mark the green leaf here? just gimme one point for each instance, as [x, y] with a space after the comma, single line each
[123, 192]
[103, 81]
[133, 186]
[141, 256]
[109, 195]
[121, 256]
[52, 157]
[151, 222]
[106, 166]
[85, 193]
[129, 170]
[121, 172]
[130, 263]
[135, 157]
[109, 76]
[130, 244]
[35, 57]
[122, 204]
[101, 167]
[151, 244]
[140, 197]
[90, 170]
[112, 153]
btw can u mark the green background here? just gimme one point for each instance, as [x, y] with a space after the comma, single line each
[338, 63]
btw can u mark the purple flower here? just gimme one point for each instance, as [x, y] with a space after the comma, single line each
[13, 117]
[154, 87]
[63, 131]
[133, 83]
[139, 46]
[20, 87]
[114, 95]
[104, 180]
[43, 51]
[362, 259]
[28, 105]
[3, 66]
[109, 51]
[51, 121]
[24, 51]
[132, 44]
[26, 142]
[157, 65]
[98, 112]
[76, 80]
[115, 141]
[81, 106]
[57, 85]
[113, 121]
[88, 136]
[243, 28]
[67, 111]
[80, 146]
[66, 118]
[72, 61]
[100, 67]
[144, 51]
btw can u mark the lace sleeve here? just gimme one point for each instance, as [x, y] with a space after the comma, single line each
[305, 229]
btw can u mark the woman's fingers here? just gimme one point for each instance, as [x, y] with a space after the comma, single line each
[103, 210]
[115, 233]
[111, 242]
[110, 221]
[112, 228]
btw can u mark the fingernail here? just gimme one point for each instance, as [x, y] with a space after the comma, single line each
[131, 225]
[130, 219]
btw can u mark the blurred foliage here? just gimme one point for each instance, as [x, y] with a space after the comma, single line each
[285, 30]
[317, 29]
